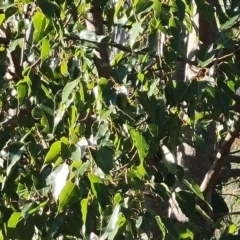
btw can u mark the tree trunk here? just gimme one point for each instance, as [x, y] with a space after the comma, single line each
[193, 159]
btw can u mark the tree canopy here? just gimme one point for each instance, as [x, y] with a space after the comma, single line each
[89, 124]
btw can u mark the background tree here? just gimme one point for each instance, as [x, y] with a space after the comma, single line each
[108, 118]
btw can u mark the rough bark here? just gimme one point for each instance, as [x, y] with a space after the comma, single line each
[194, 160]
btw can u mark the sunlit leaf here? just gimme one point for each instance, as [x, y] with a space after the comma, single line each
[45, 52]
[15, 218]
[53, 153]
[84, 206]
[58, 179]
[69, 195]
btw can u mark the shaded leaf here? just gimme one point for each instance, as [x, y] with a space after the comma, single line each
[103, 158]
[99, 189]
[112, 223]
[186, 202]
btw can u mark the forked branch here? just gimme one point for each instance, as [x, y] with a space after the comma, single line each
[220, 159]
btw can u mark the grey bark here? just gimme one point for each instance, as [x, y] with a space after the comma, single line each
[194, 160]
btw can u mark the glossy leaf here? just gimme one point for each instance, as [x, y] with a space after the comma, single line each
[84, 209]
[45, 52]
[104, 159]
[40, 23]
[53, 153]
[69, 195]
[15, 218]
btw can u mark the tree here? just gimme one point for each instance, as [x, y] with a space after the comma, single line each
[104, 138]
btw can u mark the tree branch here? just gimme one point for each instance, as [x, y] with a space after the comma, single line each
[220, 159]
[232, 159]
[228, 173]
[223, 215]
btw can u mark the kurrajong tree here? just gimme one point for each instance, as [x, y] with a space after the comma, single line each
[110, 115]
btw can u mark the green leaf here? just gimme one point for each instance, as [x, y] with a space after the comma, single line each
[15, 218]
[140, 143]
[49, 9]
[40, 23]
[112, 223]
[101, 130]
[166, 226]
[5, 6]
[163, 191]
[68, 89]
[69, 195]
[2, 18]
[157, 6]
[203, 213]
[181, 9]
[223, 99]
[161, 226]
[208, 12]
[75, 151]
[58, 179]
[142, 6]
[84, 210]
[103, 158]
[81, 168]
[45, 51]
[27, 208]
[59, 113]
[230, 22]
[186, 234]
[134, 32]
[104, 114]
[14, 44]
[72, 119]
[99, 189]
[36, 209]
[15, 152]
[206, 55]
[186, 202]
[149, 104]
[23, 92]
[168, 160]
[232, 229]
[10, 11]
[55, 225]
[53, 153]
[64, 68]
[194, 187]
[34, 150]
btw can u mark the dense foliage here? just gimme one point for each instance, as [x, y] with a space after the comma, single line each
[77, 151]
